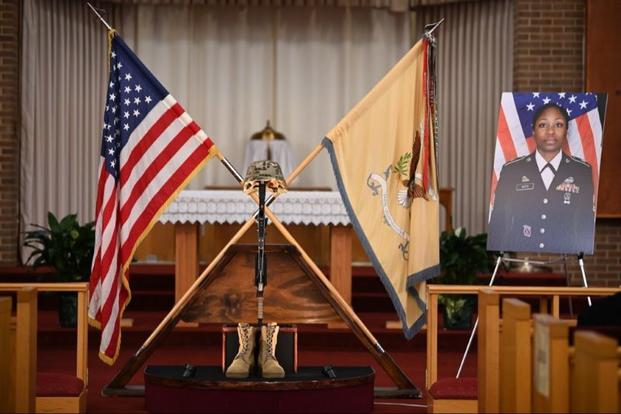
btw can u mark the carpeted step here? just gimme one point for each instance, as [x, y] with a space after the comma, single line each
[371, 302]
[366, 283]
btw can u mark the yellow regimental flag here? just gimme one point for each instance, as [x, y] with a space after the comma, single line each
[384, 158]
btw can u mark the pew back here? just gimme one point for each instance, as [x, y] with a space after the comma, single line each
[22, 387]
[6, 403]
[488, 351]
[515, 357]
[545, 294]
[550, 364]
[18, 357]
[595, 374]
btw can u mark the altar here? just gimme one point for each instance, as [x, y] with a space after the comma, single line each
[193, 208]
[318, 208]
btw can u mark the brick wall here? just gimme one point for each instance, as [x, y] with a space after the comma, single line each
[548, 45]
[548, 55]
[604, 268]
[9, 93]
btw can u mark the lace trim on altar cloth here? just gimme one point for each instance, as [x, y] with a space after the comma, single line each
[235, 207]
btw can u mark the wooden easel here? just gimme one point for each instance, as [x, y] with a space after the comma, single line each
[500, 259]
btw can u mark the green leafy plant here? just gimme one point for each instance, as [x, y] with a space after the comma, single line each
[65, 245]
[462, 257]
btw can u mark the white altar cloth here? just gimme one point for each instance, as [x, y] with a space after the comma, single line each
[229, 206]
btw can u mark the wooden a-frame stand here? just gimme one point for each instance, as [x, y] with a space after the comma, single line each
[406, 388]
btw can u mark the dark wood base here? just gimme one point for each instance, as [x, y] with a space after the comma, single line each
[307, 391]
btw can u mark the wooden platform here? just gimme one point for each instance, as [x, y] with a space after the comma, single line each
[307, 391]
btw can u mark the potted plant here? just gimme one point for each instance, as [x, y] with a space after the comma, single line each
[67, 247]
[461, 258]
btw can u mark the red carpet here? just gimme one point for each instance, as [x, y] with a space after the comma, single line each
[201, 346]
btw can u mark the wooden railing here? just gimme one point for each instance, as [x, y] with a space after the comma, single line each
[22, 387]
[550, 358]
[596, 371]
[6, 398]
[537, 360]
[544, 294]
[20, 360]
[515, 357]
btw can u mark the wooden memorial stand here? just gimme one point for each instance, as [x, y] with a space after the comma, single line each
[118, 385]
[225, 293]
[182, 309]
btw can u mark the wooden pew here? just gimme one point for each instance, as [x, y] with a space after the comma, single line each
[595, 385]
[6, 401]
[550, 364]
[583, 378]
[481, 395]
[488, 346]
[515, 357]
[593, 364]
[25, 372]
[24, 385]
[490, 388]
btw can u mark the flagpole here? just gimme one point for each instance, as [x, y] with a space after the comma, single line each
[99, 15]
[309, 158]
[434, 26]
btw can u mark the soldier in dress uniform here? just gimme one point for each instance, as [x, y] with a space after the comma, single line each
[544, 200]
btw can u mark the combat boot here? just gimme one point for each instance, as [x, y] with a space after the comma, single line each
[268, 365]
[244, 360]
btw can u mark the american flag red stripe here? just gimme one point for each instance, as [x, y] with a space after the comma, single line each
[145, 143]
[153, 204]
[152, 169]
[588, 147]
[150, 149]
[584, 137]
[504, 138]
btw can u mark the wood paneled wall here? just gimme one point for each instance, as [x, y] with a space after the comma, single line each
[603, 74]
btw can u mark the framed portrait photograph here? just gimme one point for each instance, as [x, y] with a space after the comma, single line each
[546, 172]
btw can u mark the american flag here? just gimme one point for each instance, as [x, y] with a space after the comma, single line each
[515, 129]
[150, 149]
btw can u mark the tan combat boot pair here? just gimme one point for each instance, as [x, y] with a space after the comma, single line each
[242, 365]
